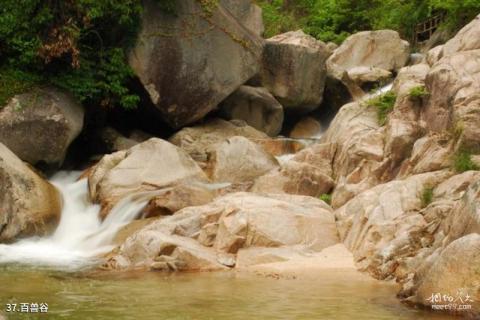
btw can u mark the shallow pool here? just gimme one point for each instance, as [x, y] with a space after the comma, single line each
[201, 296]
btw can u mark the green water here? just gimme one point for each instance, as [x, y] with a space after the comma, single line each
[202, 296]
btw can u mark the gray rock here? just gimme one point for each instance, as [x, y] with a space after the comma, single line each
[257, 107]
[294, 70]
[190, 61]
[38, 126]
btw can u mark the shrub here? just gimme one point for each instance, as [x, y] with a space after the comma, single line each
[384, 104]
[427, 196]
[334, 20]
[463, 162]
[327, 198]
[78, 45]
[418, 92]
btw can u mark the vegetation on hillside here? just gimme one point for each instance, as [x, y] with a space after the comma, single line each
[383, 104]
[462, 161]
[78, 45]
[334, 20]
[427, 196]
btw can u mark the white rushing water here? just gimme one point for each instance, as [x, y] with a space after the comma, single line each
[80, 236]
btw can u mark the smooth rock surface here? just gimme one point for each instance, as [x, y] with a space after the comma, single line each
[29, 205]
[190, 61]
[39, 126]
[294, 70]
[152, 165]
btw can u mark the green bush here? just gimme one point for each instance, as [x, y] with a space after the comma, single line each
[427, 196]
[418, 92]
[327, 198]
[384, 105]
[463, 162]
[78, 45]
[334, 20]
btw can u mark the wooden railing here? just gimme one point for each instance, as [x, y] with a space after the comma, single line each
[424, 30]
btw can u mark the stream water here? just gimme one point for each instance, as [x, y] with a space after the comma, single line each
[203, 296]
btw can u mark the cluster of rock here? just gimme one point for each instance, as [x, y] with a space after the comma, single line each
[398, 204]
[220, 199]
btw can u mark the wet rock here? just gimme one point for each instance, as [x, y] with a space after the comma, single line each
[306, 128]
[182, 195]
[29, 205]
[39, 126]
[294, 70]
[190, 61]
[257, 107]
[152, 165]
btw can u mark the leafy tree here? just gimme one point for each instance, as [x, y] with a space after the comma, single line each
[78, 45]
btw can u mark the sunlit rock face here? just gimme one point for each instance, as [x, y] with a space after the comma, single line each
[29, 205]
[369, 56]
[152, 165]
[210, 236]
[190, 61]
[39, 126]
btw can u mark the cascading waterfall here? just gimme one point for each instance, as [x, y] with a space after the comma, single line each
[80, 236]
[315, 138]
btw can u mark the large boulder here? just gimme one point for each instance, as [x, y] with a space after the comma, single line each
[193, 59]
[369, 56]
[251, 220]
[468, 38]
[152, 165]
[38, 126]
[248, 13]
[308, 173]
[198, 141]
[358, 161]
[257, 107]
[294, 70]
[29, 205]
[209, 237]
[238, 160]
[454, 87]
[384, 224]
[452, 279]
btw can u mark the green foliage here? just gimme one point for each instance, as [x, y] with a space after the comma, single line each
[427, 196]
[334, 20]
[418, 92]
[278, 19]
[78, 45]
[13, 82]
[327, 198]
[463, 162]
[384, 105]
